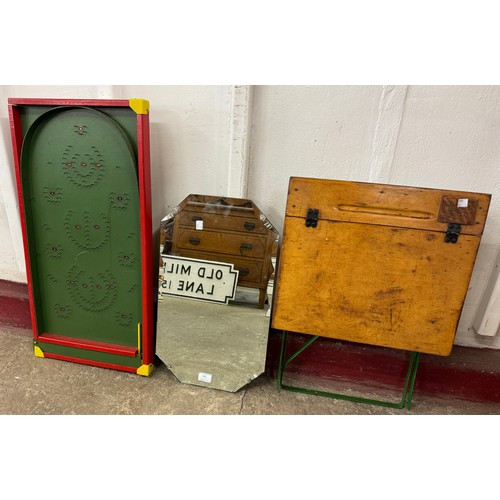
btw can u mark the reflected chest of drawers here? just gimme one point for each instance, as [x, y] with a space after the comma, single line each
[231, 230]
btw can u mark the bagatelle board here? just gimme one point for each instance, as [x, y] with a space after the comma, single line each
[84, 186]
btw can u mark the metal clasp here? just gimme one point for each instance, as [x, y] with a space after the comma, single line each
[452, 233]
[312, 217]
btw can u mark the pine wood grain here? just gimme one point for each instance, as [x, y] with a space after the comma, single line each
[378, 273]
[382, 204]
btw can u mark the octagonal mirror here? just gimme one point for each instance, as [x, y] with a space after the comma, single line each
[217, 262]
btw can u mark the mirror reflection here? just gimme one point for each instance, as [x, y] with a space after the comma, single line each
[217, 262]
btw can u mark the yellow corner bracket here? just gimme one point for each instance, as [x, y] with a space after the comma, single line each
[140, 106]
[38, 352]
[145, 370]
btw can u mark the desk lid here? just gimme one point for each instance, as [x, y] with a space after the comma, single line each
[388, 205]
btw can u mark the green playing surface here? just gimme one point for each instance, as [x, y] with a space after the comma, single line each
[80, 189]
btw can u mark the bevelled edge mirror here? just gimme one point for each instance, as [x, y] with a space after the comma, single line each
[217, 262]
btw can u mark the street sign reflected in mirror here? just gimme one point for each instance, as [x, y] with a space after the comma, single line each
[197, 279]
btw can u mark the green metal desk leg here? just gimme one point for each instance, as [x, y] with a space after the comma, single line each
[282, 362]
[406, 396]
[279, 379]
[413, 378]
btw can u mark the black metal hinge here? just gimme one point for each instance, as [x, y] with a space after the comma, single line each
[452, 233]
[312, 217]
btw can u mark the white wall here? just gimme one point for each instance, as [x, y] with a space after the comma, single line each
[312, 131]
[11, 245]
[245, 141]
[189, 141]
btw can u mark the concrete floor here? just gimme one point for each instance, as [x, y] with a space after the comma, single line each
[35, 386]
[169, 444]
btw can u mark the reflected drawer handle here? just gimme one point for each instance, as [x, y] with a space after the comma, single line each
[243, 271]
[194, 241]
[195, 218]
[246, 246]
[249, 225]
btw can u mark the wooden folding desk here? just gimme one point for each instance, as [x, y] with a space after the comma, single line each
[376, 264]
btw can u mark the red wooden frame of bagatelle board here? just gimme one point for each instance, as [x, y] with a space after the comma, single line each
[146, 333]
